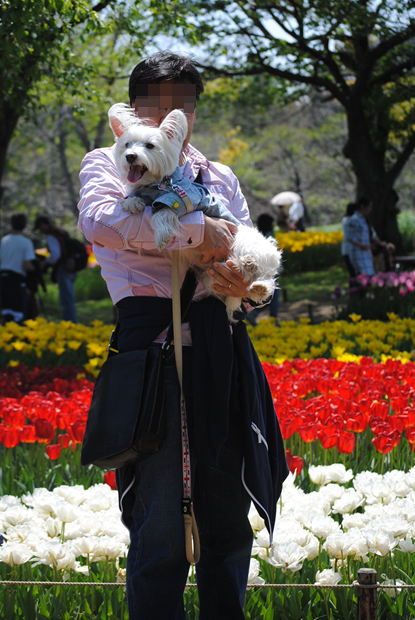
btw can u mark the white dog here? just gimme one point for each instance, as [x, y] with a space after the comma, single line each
[147, 160]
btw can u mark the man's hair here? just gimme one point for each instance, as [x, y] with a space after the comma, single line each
[165, 66]
[18, 221]
[350, 209]
[363, 201]
[41, 219]
[265, 223]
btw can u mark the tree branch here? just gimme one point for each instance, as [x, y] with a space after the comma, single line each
[395, 171]
[395, 71]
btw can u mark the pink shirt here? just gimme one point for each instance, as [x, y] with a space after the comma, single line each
[123, 243]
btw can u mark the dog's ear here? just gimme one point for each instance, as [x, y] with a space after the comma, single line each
[121, 117]
[175, 126]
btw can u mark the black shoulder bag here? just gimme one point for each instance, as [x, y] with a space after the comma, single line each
[126, 419]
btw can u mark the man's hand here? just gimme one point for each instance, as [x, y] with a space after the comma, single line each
[229, 280]
[217, 242]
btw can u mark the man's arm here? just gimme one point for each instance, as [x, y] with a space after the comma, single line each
[104, 223]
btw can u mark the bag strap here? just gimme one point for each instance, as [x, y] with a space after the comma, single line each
[190, 526]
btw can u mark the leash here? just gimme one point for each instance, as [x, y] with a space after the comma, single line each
[190, 527]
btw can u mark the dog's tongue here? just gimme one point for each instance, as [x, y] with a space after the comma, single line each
[135, 173]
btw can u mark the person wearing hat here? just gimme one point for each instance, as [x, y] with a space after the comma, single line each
[57, 242]
[16, 256]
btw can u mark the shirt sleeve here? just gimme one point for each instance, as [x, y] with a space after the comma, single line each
[54, 250]
[105, 224]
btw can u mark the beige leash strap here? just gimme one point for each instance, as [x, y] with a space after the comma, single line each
[190, 527]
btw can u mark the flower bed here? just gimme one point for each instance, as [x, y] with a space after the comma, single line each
[374, 297]
[303, 250]
[341, 340]
[324, 537]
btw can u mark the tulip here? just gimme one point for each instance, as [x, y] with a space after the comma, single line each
[327, 437]
[346, 442]
[64, 439]
[77, 431]
[53, 451]
[44, 430]
[109, 478]
[10, 437]
[295, 463]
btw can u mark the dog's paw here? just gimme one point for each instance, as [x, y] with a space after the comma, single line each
[166, 226]
[260, 291]
[249, 263]
[133, 204]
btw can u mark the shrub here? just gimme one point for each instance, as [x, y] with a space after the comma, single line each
[406, 223]
[90, 285]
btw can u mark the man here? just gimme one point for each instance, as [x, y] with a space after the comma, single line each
[296, 216]
[57, 242]
[362, 239]
[16, 256]
[139, 281]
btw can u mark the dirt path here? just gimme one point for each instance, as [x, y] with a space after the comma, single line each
[317, 311]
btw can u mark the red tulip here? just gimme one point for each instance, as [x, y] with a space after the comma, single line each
[10, 437]
[28, 434]
[44, 430]
[77, 431]
[327, 436]
[53, 451]
[63, 439]
[295, 463]
[308, 432]
[109, 478]
[346, 442]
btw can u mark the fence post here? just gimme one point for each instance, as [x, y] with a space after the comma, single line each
[367, 598]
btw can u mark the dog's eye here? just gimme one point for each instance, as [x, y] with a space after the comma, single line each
[149, 146]
[127, 144]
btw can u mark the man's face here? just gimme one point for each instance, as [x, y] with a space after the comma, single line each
[155, 101]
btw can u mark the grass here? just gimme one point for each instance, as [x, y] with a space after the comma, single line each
[314, 285]
[86, 310]
[311, 285]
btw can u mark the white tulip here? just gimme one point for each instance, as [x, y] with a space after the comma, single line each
[324, 526]
[312, 547]
[378, 542]
[407, 546]
[392, 592]
[327, 577]
[15, 553]
[253, 577]
[349, 501]
[332, 491]
[257, 522]
[288, 557]
[357, 520]
[66, 513]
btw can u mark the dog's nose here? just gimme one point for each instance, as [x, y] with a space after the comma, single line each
[131, 158]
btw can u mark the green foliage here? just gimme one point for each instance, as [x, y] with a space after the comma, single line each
[406, 223]
[312, 258]
[377, 303]
[90, 285]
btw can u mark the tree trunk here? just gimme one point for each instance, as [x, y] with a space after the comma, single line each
[8, 122]
[372, 180]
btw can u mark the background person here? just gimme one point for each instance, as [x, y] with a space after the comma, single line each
[57, 242]
[16, 256]
[265, 225]
[346, 246]
[363, 239]
[296, 216]
[139, 281]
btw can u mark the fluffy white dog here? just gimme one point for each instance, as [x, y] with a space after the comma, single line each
[147, 160]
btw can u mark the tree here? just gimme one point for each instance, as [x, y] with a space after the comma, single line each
[358, 52]
[64, 51]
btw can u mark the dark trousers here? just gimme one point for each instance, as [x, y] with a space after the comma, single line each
[157, 567]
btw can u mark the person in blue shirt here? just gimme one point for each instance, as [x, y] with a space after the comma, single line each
[346, 247]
